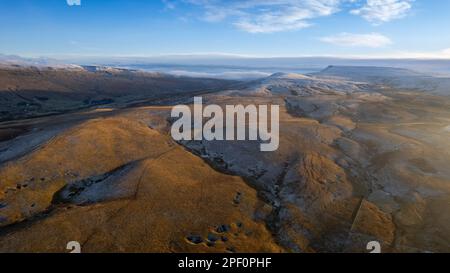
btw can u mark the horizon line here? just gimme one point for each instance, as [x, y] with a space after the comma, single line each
[212, 55]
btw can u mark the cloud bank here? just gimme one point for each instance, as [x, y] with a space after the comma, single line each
[373, 40]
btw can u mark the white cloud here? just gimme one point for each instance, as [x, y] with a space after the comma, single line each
[440, 54]
[381, 11]
[74, 2]
[169, 4]
[446, 52]
[275, 21]
[265, 16]
[373, 40]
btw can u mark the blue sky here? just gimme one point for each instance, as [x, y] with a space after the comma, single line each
[369, 28]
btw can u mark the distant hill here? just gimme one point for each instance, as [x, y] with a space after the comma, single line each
[303, 85]
[393, 77]
[368, 72]
[27, 91]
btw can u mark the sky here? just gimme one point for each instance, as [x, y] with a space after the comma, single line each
[261, 28]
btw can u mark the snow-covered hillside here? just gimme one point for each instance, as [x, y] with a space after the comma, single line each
[304, 85]
[388, 76]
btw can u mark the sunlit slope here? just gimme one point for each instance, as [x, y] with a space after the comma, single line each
[351, 167]
[117, 185]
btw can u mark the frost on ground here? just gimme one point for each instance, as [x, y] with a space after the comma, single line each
[360, 159]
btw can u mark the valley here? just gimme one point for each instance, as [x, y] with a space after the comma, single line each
[361, 157]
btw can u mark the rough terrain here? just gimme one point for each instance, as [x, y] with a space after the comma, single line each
[359, 160]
